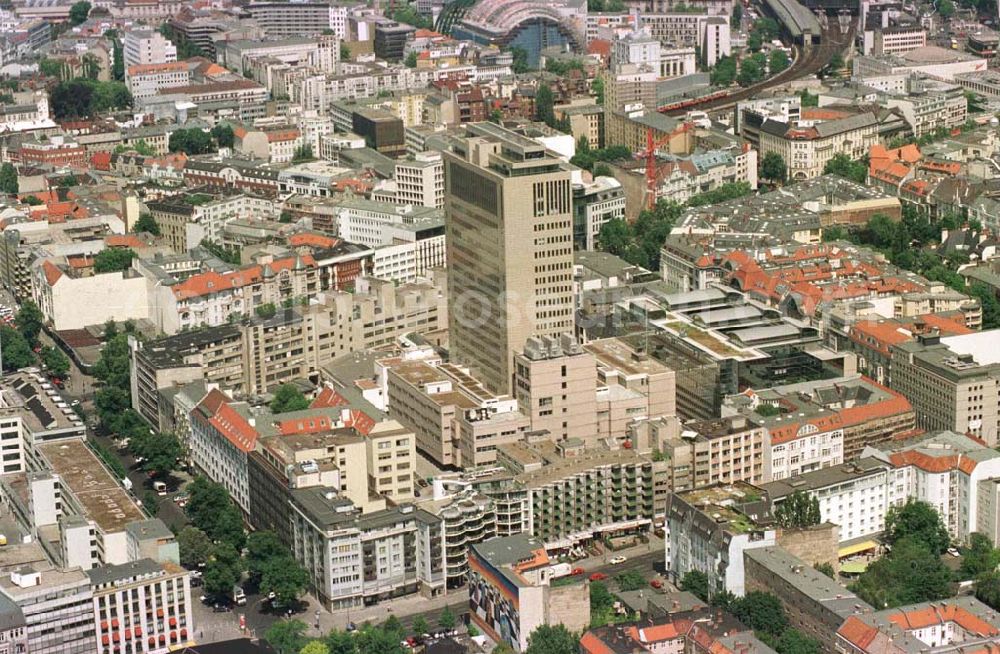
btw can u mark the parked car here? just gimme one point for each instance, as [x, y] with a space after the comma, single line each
[617, 560]
[577, 571]
[656, 583]
[598, 576]
[954, 552]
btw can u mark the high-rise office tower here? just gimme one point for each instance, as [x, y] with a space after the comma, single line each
[508, 205]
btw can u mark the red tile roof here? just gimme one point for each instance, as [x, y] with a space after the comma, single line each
[52, 274]
[208, 283]
[229, 422]
[170, 67]
[314, 240]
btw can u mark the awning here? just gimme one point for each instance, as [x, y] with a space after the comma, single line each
[857, 548]
[853, 567]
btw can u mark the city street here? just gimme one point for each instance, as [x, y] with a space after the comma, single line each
[646, 559]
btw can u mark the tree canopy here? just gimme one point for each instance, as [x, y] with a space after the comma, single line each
[696, 583]
[772, 167]
[842, 165]
[911, 572]
[195, 547]
[552, 639]
[287, 636]
[920, 521]
[288, 398]
[113, 260]
[8, 179]
[800, 509]
[191, 141]
[146, 223]
[78, 12]
[639, 243]
[83, 98]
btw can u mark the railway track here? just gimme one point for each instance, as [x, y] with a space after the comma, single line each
[807, 62]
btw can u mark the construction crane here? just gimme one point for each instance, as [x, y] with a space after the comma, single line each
[649, 154]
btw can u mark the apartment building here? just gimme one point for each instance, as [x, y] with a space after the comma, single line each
[201, 297]
[555, 384]
[281, 20]
[943, 469]
[949, 626]
[434, 400]
[815, 604]
[929, 105]
[146, 80]
[13, 632]
[186, 220]
[806, 148]
[417, 180]
[699, 630]
[467, 518]
[577, 494]
[709, 529]
[357, 559]
[221, 438]
[813, 425]
[146, 47]
[338, 323]
[75, 499]
[142, 603]
[511, 595]
[707, 452]
[32, 411]
[594, 205]
[898, 39]
[854, 496]
[952, 472]
[72, 297]
[953, 382]
[57, 606]
[500, 185]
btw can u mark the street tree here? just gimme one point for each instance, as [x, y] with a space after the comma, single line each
[340, 642]
[29, 320]
[284, 577]
[447, 619]
[552, 639]
[17, 353]
[420, 625]
[195, 547]
[223, 571]
[223, 135]
[56, 363]
[375, 640]
[262, 547]
[287, 636]
[161, 453]
[315, 647]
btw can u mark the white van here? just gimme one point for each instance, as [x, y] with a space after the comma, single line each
[160, 488]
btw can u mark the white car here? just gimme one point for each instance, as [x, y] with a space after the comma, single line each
[954, 552]
[617, 560]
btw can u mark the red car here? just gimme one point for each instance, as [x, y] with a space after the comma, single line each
[577, 571]
[656, 583]
[598, 576]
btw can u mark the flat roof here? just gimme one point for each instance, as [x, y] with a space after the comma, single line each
[982, 346]
[825, 477]
[101, 495]
[617, 354]
[38, 402]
